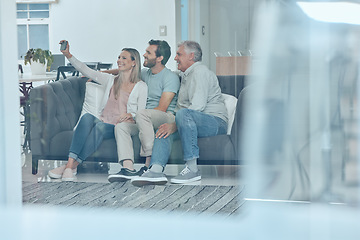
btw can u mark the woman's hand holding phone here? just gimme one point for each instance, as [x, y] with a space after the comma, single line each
[64, 48]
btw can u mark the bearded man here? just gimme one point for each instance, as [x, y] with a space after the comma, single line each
[163, 87]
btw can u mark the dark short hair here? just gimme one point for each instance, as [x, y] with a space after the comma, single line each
[163, 49]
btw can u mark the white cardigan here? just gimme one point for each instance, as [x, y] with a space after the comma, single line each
[96, 95]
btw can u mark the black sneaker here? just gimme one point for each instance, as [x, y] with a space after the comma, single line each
[142, 170]
[125, 174]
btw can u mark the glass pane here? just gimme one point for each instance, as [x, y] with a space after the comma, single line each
[38, 6]
[307, 138]
[39, 36]
[21, 6]
[184, 20]
[40, 14]
[21, 14]
[22, 41]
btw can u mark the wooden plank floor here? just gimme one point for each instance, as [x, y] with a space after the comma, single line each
[225, 200]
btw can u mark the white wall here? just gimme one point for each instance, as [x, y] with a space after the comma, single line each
[227, 26]
[230, 26]
[98, 30]
[199, 27]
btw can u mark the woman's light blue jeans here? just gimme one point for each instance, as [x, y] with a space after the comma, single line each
[88, 135]
[191, 125]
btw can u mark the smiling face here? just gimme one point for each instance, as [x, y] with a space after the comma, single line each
[184, 59]
[125, 62]
[150, 56]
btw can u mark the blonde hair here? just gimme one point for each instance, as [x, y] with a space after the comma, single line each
[135, 73]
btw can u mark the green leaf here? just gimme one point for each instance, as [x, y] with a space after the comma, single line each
[39, 55]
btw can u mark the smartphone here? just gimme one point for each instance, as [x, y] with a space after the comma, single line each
[63, 45]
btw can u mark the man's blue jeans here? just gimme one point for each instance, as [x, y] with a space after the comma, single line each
[88, 136]
[191, 125]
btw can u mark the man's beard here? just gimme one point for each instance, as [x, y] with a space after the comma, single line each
[150, 63]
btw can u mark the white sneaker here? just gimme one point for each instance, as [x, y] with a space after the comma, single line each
[68, 175]
[57, 173]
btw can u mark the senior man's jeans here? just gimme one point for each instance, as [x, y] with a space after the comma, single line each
[191, 125]
[88, 135]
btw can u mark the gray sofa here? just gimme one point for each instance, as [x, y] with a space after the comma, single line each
[55, 108]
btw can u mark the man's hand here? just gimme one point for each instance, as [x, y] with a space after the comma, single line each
[124, 117]
[166, 130]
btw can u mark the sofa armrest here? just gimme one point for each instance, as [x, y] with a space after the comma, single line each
[54, 108]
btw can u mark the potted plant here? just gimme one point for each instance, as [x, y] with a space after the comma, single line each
[39, 60]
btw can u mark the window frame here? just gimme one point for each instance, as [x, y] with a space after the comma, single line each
[36, 1]
[32, 21]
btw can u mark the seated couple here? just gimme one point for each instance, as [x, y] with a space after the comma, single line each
[130, 107]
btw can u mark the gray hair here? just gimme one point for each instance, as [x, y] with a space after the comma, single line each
[192, 47]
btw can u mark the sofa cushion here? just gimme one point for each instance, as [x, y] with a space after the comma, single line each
[94, 93]
[60, 143]
[54, 108]
[230, 104]
[216, 148]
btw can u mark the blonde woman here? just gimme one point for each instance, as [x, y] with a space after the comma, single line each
[124, 95]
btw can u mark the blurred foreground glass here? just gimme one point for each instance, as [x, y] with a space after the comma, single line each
[334, 12]
[300, 132]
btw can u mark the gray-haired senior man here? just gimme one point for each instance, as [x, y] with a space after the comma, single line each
[200, 112]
